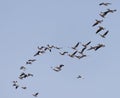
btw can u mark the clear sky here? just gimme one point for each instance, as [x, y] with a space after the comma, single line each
[27, 24]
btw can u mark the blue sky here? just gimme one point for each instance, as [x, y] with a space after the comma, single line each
[27, 24]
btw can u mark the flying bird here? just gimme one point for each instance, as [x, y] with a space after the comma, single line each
[32, 60]
[24, 87]
[105, 4]
[103, 14]
[23, 68]
[36, 94]
[63, 53]
[100, 29]
[73, 54]
[79, 76]
[57, 68]
[97, 22]
[85, 45]
[103, 36]
[76, 46]
[99, 46]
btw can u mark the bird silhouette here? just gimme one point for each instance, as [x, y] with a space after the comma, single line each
[23, 68]
[105, 4]
[103, 14]
[97, 22]
[76, 46]
[79, 76]
[103, 36]
[85, 45]
[57, 68]
[36, 94]
[100, 29]
[73, 54]
[63, 53]
[24, 87]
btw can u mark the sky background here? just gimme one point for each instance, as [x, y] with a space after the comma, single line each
[27, 24]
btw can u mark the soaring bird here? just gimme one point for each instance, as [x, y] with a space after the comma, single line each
[105, 4]
[100, 29]
[36, 94]
[97, 22]
[103, 36]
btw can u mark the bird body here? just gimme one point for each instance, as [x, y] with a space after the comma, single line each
[100, 29]
[97, 22]
[105, 4]
[103, 36]
[36, 94]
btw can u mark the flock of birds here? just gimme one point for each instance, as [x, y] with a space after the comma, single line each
[78, 52]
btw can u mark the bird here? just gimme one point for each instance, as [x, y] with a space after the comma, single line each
[92, 47]
[57, 68]
[96, 47]
[63, 53]
[73, 54]
[103, 36]
[15, 84]
[103, 14]
[83, 49]
[32, 60]
[85, 45]
[29, 74]
[100, 29]
[28, 62]
[36, 94]
[76, 46]
[39, 52]
[23, 68]
[97, 22]
[24, 87]
[79, 76]
[99, 46]
[79, 57]
[105, 4]
[40, 48]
